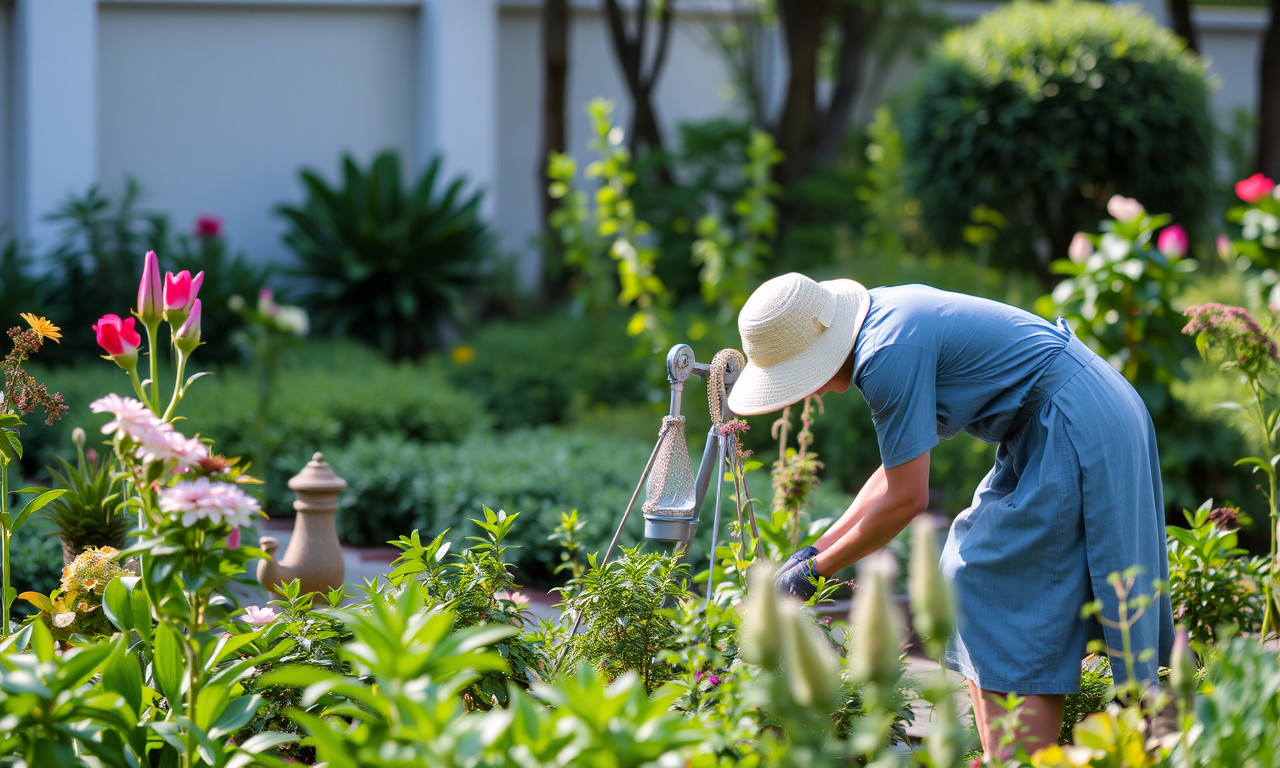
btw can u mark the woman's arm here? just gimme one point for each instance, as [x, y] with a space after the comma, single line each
[888, 501]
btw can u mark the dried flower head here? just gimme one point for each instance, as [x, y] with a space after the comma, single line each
[1226, 518]
[22, 393]
[92, 571]
[1234, 330]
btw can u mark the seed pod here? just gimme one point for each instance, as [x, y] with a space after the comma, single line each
[812, 666]
[761, 613]
[931, 603]
[874, 634]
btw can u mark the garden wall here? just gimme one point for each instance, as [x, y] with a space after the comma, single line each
[214, 109]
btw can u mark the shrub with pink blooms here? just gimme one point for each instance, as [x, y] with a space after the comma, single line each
[1255, 250]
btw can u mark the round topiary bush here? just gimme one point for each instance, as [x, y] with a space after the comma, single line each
[1041, 112]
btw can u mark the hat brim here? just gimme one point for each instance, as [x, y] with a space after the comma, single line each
[763, 389]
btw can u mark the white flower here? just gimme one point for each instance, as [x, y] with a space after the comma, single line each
[170, 445]
[132, 418]
[1124, 208]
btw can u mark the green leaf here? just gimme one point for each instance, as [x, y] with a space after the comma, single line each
[168, 664]
[124, 677]
[36, 504]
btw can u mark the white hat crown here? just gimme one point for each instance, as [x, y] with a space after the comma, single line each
[783, 317]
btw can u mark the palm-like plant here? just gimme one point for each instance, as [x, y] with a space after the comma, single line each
[90, 513]
[383, 263]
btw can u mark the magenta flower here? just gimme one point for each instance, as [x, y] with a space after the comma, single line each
[180, 295]
[233, 538]
[258, 616]
[208, 226]
[150, 291]
[1254, 188]
[1123, 208]
[1172, 242]
[119, 339]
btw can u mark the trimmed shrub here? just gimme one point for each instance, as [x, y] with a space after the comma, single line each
[1041, 112]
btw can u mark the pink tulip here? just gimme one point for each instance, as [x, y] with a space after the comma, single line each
[118, 338]
[1172, 242]
[1254, 188]
[187, 337]
[150, 291]
[1124, 208]
[208, 226]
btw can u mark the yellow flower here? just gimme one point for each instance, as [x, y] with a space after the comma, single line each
[42, 326]
[462, 354]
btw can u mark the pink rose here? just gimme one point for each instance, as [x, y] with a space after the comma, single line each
[208, 226]
[1254, 188]
[1172, 242]
[1080, 249]
[180, 295]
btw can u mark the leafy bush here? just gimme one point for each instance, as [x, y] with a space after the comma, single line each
[384, 263]
[1042, 111]
[529, 374]
[1211, 582]
[397, 485]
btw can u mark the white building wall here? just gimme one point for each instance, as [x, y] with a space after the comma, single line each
[6, 115]
[214, 109]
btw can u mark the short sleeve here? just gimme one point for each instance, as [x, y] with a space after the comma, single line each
[900, 386]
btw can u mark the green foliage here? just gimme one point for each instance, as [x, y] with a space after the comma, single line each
[97, 262]
[386, 263]
[477, 587]
[1094, 695]
[1042, 111]
[21, 288]
[35, 557]
[395, 486]
[90, 513]
[1212, 583]
[547, 371]
[625, 628]
[1239, 713]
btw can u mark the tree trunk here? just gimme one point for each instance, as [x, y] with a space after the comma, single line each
[803, 22]
[1269, 98]
[1180, 14]
[855, 20]
[629, 48]
[555, 76]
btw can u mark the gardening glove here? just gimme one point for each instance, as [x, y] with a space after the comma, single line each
[797, 558]
[799, 581]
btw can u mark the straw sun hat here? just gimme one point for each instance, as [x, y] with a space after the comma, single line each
[796, 334]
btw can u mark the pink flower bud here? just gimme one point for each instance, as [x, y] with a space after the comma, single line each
[150, 298]
[1172, 242]
[1223, 243]
[1123, 208]
[188, 336]
[1080, 249]
[1254, 188]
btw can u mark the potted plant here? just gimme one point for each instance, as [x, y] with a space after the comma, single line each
[89, 514]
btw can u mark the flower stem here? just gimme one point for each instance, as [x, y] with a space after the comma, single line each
[1269, 618]
[5, 533]
[177, 387]
[154, 400]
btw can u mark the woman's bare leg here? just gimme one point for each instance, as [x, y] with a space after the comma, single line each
[1040, 716]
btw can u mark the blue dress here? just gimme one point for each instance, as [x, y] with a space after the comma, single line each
[1074, 495]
